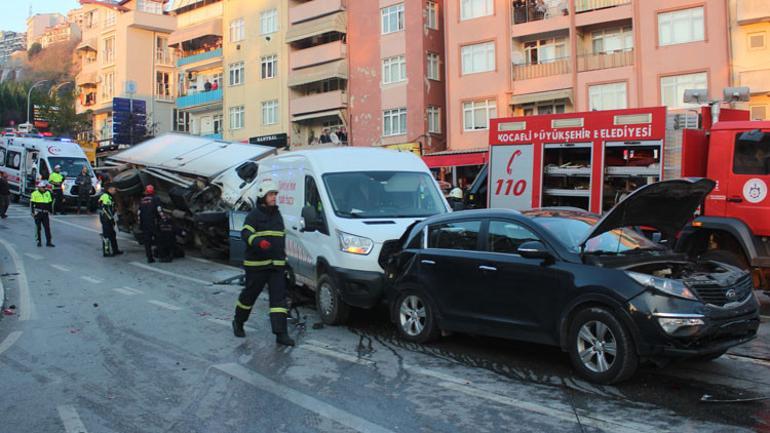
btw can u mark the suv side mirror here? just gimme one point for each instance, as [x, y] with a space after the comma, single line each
[310, 221]
[534, 250]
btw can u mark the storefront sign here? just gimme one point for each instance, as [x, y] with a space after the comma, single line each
[278, 141]
[406, 147]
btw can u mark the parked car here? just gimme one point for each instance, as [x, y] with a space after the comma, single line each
[596, 287]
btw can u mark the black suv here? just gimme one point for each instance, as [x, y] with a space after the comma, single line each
[596, 287]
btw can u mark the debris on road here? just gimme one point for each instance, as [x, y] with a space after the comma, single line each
[710, 399]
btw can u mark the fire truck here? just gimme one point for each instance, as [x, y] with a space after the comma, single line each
[592, 160]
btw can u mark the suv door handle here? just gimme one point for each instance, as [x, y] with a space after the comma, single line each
[488, 268]
[734, 199]
[427, 262]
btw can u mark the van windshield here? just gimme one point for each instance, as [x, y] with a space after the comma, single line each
[70, 167]
[383, 194]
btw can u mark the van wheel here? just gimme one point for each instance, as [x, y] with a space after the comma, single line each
[331, 307]
[415, 317]
[600, 347]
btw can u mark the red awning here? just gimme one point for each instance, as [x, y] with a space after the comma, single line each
[456, 159]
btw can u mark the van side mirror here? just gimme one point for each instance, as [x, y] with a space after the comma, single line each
[534, 250]
[310, 221]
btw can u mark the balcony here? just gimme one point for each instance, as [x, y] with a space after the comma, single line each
[165, 57]
[326, 71]
[753, 11]
[593, 62]
[336, 22]
[319, 54]
[528, 72]
[757, 81]
[200, 57]
[525, 11]
[199, 99]
[148, 21]
[314, 9]
[320, 103]
[590, 5]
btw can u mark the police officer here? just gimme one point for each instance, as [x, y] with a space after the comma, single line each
[107, 218]
[265, 263]
[56, 180]
[40, 203]
[149, 215]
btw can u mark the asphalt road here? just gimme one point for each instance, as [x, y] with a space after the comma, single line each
[103, 345]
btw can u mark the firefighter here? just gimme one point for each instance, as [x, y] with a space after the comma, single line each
[149, 214]
[265, 263]
[166, 238]
[40, 203]
[107, 218]
[56, 180]
[456, 199]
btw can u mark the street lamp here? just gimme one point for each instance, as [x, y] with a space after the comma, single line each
[29, 96]
[55, 89]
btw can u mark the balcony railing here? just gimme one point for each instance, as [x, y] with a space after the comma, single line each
[596, 61]
[165, 57]
[199, 57]
[589, 5]
[319, 102]
[525, 11]
[315, 9]
[527, 72]
[197, 99]
[318, 54]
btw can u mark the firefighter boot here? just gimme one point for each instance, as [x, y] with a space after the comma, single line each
[284, 339]
[278, 318]
[238, 329]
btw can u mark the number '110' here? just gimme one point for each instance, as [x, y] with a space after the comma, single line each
[516, 188]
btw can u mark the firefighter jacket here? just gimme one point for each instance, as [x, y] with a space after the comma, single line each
[149, 213]
[40, 201]
[265, 238]
[106, 209]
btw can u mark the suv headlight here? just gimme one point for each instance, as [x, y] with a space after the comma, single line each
[663, 285]
[355, 244]
[680, 326]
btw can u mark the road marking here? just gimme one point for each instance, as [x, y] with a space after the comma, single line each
[300, 399]
[88, 229]
[171, 274]
[26, 306]
[125, 292]
[71, 420]
[9, 340]
[131, 289]
[228, 324]
[91, 279]
[317, 347]
[164, 305]
[33, 256]
[210, 262]
[61, 268]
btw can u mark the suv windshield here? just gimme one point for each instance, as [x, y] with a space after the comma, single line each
[383, 194]
[571, 231]
[70, 167]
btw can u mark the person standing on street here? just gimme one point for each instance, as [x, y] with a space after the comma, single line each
[166, 238]
[5, 195]
[456, 199]
[40, 202]
[265, 263]
[83, 182]
[56, 180]
[149, 215]
[107, 218]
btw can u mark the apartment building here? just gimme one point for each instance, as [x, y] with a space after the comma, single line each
[526, 57]
[60, 33]
[750, 63]
[11, 42]
[126, 42]
[396, 55]
[256, 60]
[200, 83]
[37, 25]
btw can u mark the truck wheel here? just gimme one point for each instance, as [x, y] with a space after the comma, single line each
[415, 317]
[331, 307]
[600, 347]
[127, 179]
[727, 257]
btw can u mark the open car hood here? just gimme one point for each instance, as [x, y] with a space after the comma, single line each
[666, 206]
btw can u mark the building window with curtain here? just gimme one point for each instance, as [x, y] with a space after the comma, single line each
[268, 22]
[672, 88]
[270, 112]
[476, 114]
[431, 15]
[237, 115]
[394, 122]
[393, 19]
[237, 30]
[470, 9]
[478, 58]
[610, 96]
[433, 68]
[236, 73]
[680, 27]
[394, 70]
[434, 120]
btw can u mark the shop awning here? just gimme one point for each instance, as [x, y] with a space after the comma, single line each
[338, 69]
[89, 44]
[206, 28]
[550, 95]
[457, 158]
[318, 115]
[330, 23]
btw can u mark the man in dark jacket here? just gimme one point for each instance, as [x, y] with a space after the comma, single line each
[84, 184]
[166, 238]
[5, 195]
[265, 263]
[149, 215]
[107, 218]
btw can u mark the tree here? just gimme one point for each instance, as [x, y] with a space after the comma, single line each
[34, 50]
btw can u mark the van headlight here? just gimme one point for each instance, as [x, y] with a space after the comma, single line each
[98, 187]
[663, 285]
[355, 244]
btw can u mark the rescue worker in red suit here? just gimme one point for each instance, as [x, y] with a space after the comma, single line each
[265, 263]
[149, 216]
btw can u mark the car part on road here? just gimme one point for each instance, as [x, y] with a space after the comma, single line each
[601, 348]
[332, 309]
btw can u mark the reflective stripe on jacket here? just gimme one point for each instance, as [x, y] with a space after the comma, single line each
[264, 235]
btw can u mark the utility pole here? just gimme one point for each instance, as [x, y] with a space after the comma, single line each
[29, 96]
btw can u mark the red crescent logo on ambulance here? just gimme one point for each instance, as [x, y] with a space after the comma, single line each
[53, 150]
[510, 161]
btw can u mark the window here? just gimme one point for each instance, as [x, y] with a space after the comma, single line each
[269, 67]
[545, 51]
[476, 114]
[109, 20]
[270, 112]
[607, 96]
[393, 19]
[181, 121]
[461, 235]
[434, 120]
[109, 50]
[756, 41]
[163, 84]
[313, 200]
[507, 237]
[393, 69]
[237, 30]
[394, 122]
[434, 73]
[150, 6]
[268, 22]
[13, 160]
[752, 155]
[682, 26]
[672, 88]
[237, 117]
[545, 108]
[612, 40]
[108, 85]
[431, 15]
[759, 112]
[470, 9]
[478, 58]
[236, 73]
[218, 123]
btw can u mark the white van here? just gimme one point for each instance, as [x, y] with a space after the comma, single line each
[339, 206]
[28, 160]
